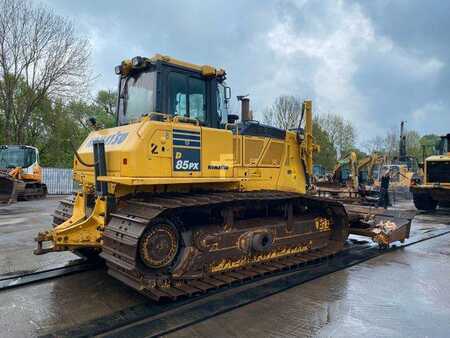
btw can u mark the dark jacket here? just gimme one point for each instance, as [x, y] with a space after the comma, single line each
[385, 182]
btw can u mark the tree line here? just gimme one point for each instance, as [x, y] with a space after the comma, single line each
[337, 136]
[44, 80]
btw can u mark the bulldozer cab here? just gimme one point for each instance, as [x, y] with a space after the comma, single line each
[168, 86]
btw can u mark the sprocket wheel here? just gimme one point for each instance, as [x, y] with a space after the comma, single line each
[159, 245]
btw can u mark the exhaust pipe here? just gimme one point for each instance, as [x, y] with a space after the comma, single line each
[246, 113]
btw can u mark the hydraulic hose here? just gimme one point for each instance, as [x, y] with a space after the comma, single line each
[78, 156]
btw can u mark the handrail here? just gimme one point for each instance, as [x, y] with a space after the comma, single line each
[187, 119]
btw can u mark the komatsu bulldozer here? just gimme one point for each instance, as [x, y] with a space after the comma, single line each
[20, 174]
[434, 188]
[182, 198]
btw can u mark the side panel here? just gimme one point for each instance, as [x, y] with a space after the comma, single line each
[186, 155]
[217, 153]
[271, 164]
[187, 150]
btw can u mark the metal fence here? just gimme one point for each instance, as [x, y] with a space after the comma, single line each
[59, 181]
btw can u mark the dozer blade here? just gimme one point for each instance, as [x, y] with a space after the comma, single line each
[381, 225]
[8, 189]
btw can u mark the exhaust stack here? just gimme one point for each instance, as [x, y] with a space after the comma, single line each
[246, 113]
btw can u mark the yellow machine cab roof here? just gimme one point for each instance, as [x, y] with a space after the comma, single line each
[205, 70]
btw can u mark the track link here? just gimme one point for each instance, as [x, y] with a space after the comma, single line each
[63, 211]
[32, 190]
[123, 232]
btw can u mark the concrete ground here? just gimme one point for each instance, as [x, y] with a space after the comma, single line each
[401, 293]
[19, 224]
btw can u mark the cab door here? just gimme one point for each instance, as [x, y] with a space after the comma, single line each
[186, 101]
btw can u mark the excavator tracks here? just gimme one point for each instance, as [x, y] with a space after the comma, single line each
[225, 238]
[31, 190]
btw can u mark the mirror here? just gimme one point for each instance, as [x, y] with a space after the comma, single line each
[227, 93]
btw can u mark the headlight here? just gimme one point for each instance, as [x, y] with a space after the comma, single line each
[118, 69]
[137, 61]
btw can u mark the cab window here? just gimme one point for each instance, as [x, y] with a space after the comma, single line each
[197, 99]
[187, 96]
[177, 97]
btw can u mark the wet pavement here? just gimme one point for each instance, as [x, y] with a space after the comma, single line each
[401, 293]
[19, 224]
[58, 303]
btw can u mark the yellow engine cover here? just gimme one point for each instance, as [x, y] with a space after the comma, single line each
[173, 155]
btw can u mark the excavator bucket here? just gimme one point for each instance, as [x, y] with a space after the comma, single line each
[8, 189]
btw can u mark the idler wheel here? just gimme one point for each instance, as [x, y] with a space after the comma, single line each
[159, 245]
[262, 241]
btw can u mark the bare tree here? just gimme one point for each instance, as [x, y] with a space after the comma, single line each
[375, 144]
[40, 57]
[341, 132]
[284, 113]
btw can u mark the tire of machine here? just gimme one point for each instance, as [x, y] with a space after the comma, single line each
[424, 202]
[159, 244]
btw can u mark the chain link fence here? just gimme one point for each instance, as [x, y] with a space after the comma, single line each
[59, 181]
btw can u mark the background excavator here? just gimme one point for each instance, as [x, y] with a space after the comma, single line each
[343, 183]
[20, 174]
[353, 180]
[369, 168]
[182, 198]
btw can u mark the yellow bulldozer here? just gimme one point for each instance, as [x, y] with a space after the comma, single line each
[181, 197]
[20, 174]
[434, 188]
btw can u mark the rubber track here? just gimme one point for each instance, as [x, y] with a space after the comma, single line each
[124, 229]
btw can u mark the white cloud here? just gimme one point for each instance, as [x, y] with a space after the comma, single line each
[336, 52]
[347, 58]
[422, 113]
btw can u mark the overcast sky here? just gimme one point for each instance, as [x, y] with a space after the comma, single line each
[374, 62]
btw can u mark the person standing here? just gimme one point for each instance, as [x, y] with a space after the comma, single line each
[384, 190]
